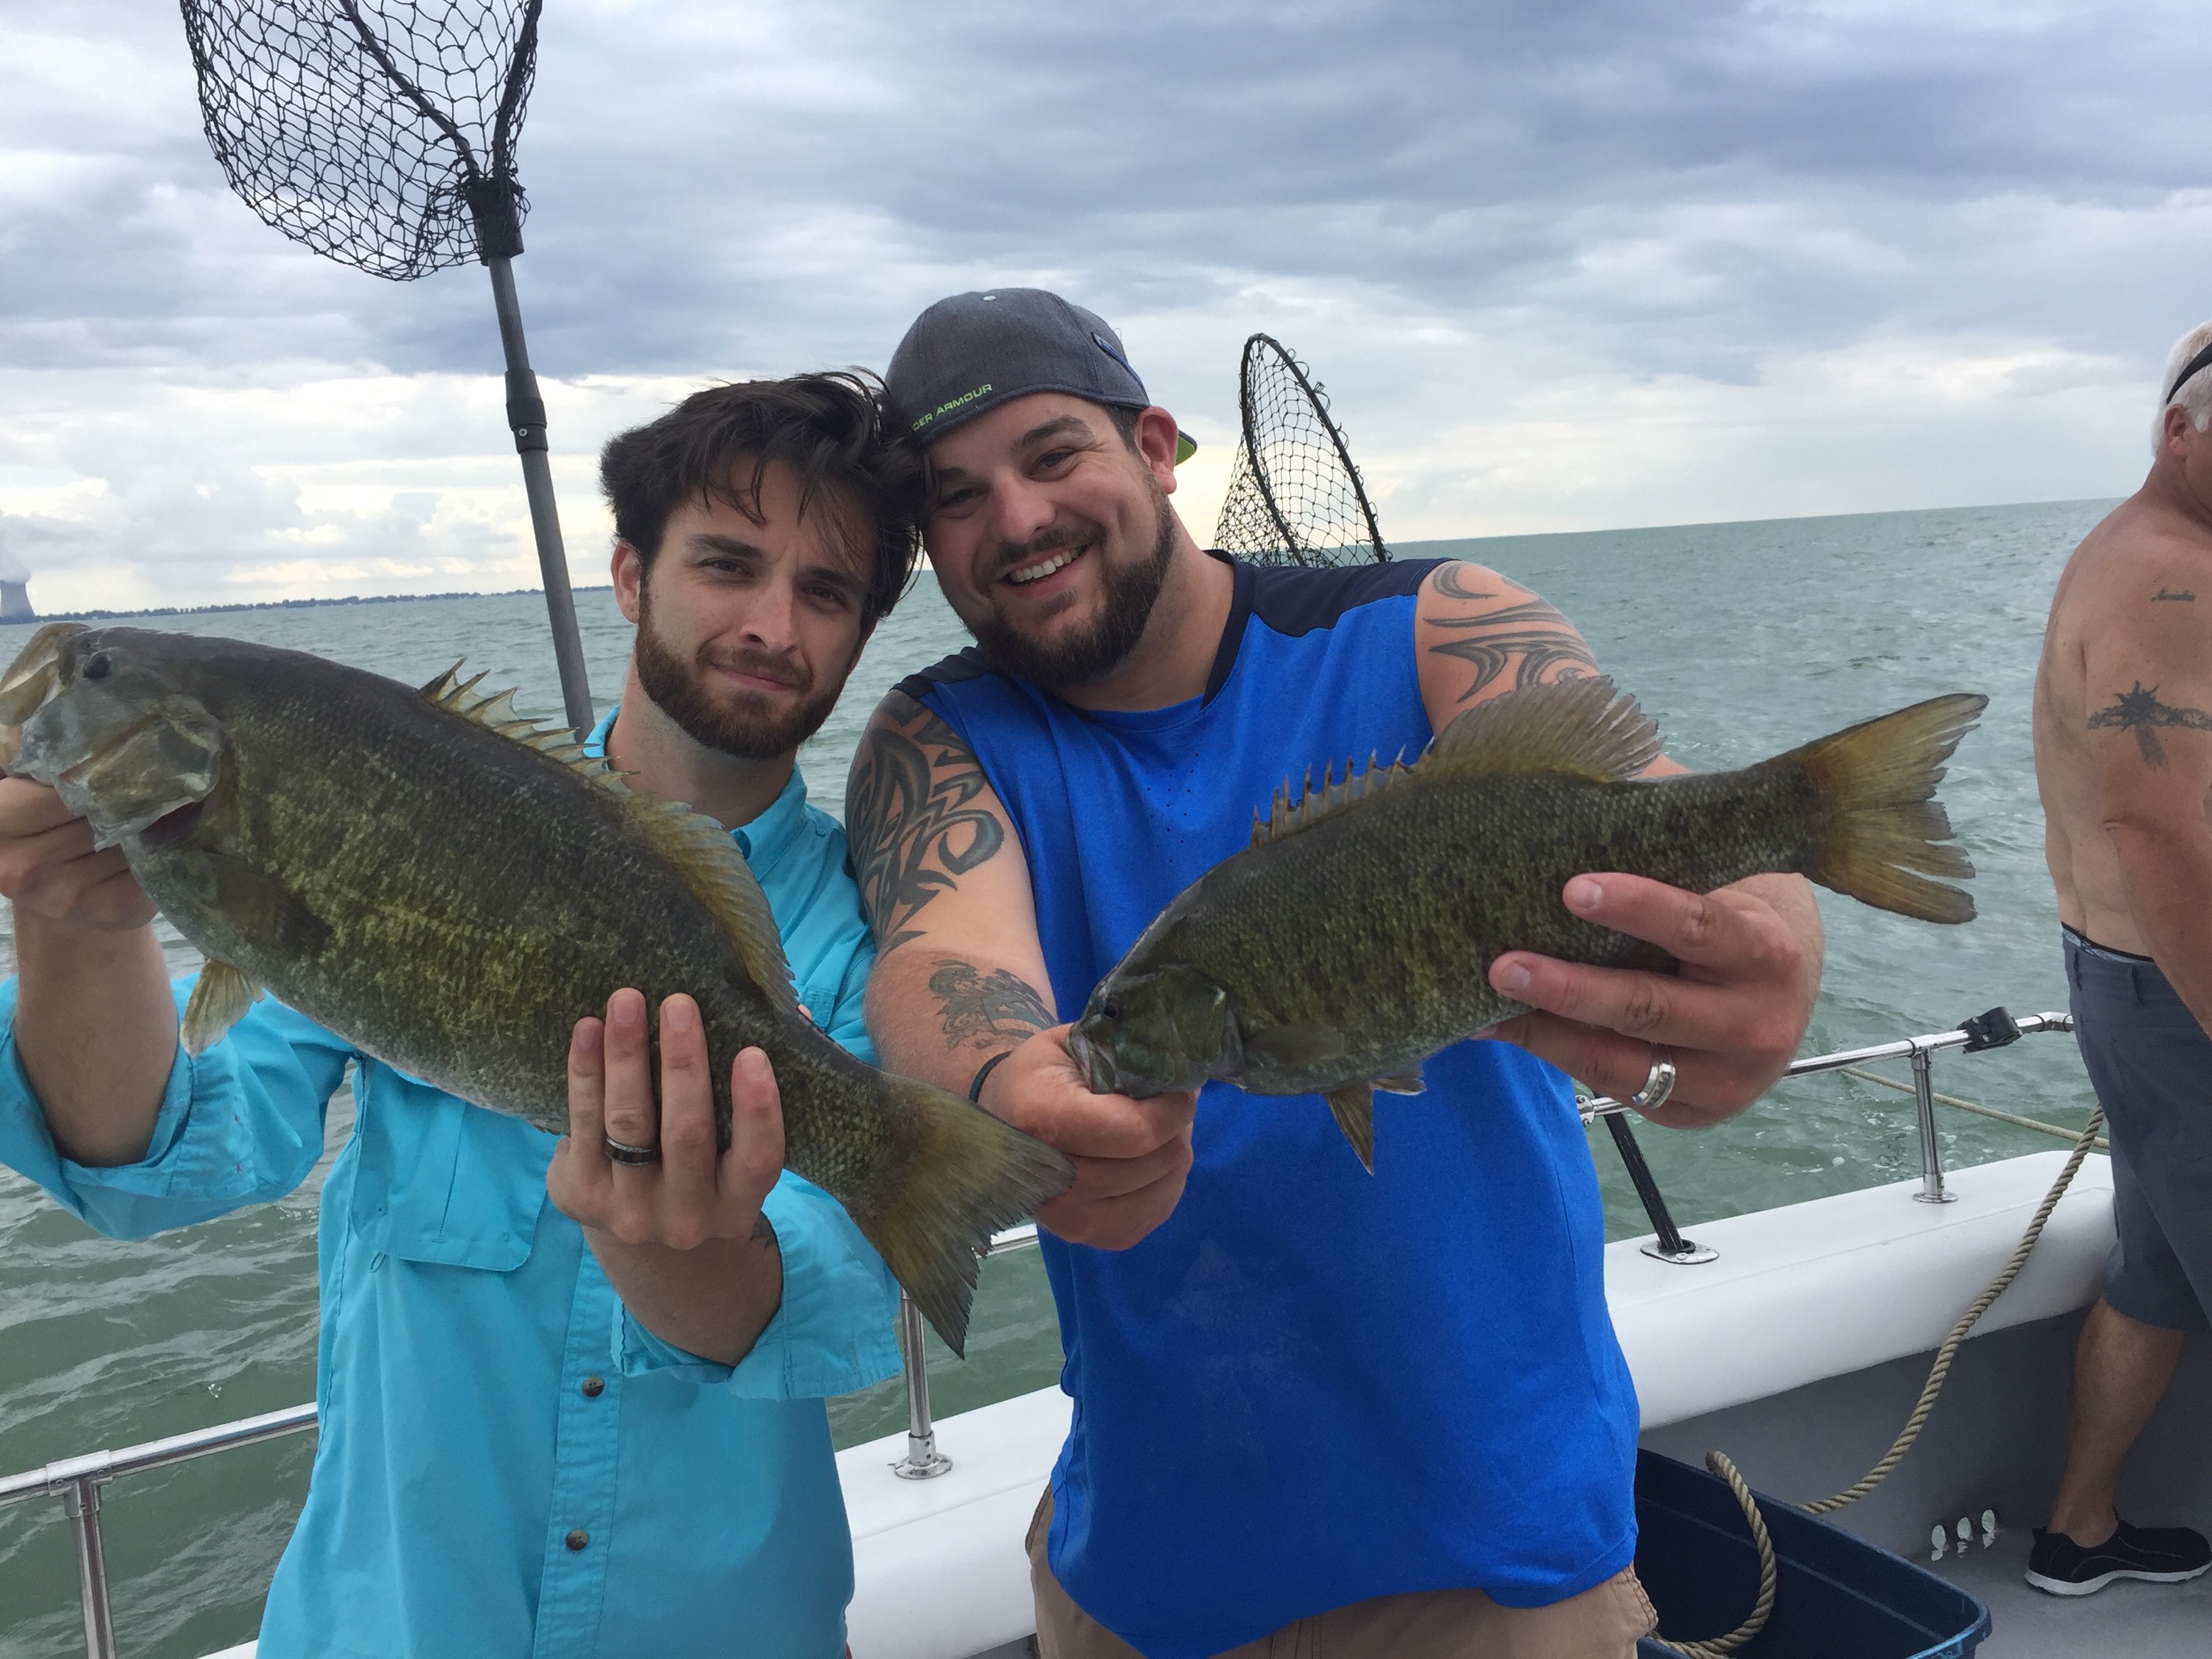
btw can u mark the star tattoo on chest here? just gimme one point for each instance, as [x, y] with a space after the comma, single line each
[2140, 712]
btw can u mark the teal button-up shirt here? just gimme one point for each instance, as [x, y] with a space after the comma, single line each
[509, 1464]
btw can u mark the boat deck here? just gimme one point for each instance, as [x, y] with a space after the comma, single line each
[2141, 1621]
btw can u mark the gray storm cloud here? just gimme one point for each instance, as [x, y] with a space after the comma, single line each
[1803, 248]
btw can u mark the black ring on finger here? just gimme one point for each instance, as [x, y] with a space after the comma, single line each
[623, 1152]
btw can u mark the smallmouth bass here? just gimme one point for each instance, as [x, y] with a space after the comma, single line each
[1352, 938]
[451, 888]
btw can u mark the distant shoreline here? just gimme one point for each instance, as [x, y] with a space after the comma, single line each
[276, 605]
[1411, 549]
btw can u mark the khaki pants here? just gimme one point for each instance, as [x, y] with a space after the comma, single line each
[1601, 1622]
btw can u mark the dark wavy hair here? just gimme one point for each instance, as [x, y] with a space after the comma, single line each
[831, 429]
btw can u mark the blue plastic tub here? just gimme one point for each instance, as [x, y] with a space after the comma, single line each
[1835, 1596]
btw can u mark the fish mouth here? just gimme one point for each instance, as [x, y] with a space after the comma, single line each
[1094, 1062]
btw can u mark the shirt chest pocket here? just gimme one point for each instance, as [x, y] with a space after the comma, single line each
[446, 1182]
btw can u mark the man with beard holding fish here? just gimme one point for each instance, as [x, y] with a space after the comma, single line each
[598, 1430]
[1314, 1407]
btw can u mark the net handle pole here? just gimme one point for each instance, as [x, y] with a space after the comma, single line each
[525, 418]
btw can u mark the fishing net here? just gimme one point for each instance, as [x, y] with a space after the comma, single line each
[1294, 495]
[380, 135]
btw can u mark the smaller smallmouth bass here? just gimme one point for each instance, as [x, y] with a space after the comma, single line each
[1352, 940]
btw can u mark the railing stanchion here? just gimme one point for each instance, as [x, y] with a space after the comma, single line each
[81, 1500]
[1931, 1155]
[922, 1462]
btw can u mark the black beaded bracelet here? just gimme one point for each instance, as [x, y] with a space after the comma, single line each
[976, 1088]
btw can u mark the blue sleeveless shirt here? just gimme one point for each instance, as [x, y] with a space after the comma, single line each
[1310, 1386]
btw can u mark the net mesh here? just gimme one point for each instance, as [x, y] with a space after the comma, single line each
[380, 135]
[1294, 495]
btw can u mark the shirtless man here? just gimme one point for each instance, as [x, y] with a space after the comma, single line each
[2123, 762]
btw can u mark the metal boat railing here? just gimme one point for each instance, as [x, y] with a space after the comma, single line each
[77, 1481]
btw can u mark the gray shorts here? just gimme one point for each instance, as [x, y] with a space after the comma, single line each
[2151, 1063]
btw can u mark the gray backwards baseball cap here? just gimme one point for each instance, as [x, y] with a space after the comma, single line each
[974, 351]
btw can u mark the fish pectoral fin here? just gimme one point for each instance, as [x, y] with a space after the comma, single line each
[256, 905]
[1584, 728]
[219, 1001]
[1405, 1083]
[1302, 1043]
[1353, 1108]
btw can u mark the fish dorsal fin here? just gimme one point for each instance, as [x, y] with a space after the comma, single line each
[1579, 728]
[1291, 813]
[717, 875]
[456, 695]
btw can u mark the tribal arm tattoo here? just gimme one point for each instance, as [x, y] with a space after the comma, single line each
[2140, 712]
[983, 1010]
[908, 813]
[1521, 645]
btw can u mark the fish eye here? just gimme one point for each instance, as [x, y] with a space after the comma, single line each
[95, 668]
[1110, 1008]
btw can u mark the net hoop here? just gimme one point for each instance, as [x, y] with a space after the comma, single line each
[1319, 513]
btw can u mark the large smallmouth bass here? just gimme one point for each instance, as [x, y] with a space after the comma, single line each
[1352, 940]
[449, 888]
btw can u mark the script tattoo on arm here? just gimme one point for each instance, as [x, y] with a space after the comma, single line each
[2140, 712]
[1531, 641]
[2184, 597]
[980, 1008]
[913, 832]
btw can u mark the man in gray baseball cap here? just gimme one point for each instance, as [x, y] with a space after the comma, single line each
[1020, 813]
[971, 353]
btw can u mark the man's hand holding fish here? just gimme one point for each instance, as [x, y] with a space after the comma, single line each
[683, 1234]
[1130, 1157]
[1728, 1020]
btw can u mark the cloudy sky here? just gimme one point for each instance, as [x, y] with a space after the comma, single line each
[1561, 265]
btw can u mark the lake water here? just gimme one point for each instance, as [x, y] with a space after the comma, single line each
[1742, 639]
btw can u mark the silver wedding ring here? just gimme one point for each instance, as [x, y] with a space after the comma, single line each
[1657, 1087]
[622, 1153]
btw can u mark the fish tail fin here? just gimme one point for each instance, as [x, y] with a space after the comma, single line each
[970, 1176]
[1881, 833]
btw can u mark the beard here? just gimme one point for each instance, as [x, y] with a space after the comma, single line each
[1127, 595]
[744, 724]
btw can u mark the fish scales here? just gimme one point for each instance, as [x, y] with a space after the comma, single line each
[1352, 940]
[451, 890]
[1369, 921]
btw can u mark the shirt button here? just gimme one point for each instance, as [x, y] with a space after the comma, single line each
[578, 1539]
[594, 1387]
